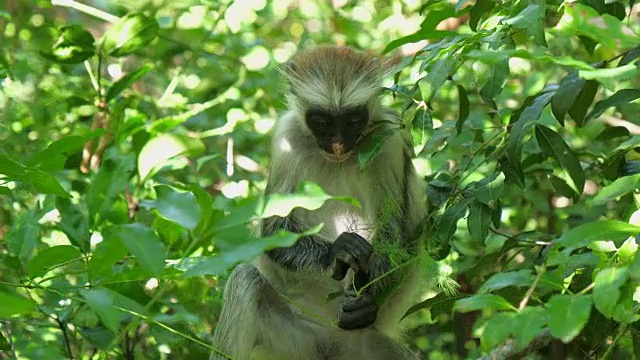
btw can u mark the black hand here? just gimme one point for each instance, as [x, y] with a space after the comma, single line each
[357, 312]
[350, 250]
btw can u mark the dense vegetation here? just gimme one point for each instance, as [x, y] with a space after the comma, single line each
[133, 155]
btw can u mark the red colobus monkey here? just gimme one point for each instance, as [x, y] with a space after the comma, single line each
[281, 306]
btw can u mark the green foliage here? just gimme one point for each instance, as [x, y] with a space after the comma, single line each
[133, 158]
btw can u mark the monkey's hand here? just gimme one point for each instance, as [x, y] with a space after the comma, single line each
[357, 312]
[350, 250]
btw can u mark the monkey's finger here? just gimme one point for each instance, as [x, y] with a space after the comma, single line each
[360, 279]
[360, 317]
[340, 269]
[363, 301]
[348, 259]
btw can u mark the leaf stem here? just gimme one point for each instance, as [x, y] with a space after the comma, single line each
[587, 289]
[621, 331]
[527, 296]
[102, 15]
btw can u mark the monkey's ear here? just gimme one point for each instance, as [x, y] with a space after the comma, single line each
[390, 64]
[288, 69]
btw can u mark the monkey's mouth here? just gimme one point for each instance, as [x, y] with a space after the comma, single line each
[332, 157]
[337, 153]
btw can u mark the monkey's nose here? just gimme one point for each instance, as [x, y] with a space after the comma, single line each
[337, 148]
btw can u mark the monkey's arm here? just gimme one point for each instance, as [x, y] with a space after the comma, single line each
[350, 250]
[308, 253]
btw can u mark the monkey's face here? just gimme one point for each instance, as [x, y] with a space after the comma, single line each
[337, 133]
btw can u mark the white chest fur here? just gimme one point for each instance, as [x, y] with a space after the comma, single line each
[340, 216]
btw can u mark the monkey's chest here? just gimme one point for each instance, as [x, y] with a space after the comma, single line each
[338, 217]
[341, 216]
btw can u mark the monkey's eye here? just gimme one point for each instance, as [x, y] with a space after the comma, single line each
[318, 122]
[355, 122]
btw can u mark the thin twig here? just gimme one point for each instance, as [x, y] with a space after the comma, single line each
[621, 331]
[67, 343]
[527, 296]
[103, 15]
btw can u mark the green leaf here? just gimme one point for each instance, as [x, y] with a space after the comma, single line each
[582, 235]
[248, 250]
[101, 301]
[109, 183]
[162, 148]
[106, 254]
[440, 300]
[498, 74]
[99, 337]
[561, 186]
[554, 145]
[373, 145]
[524, 119]
[512, 166]
[428, 30]
[74, 223]
[421, 129]
[480, 10]
[631, 56]
[620, 187]
[437, 73]
[10, 167]
[43, 183]
[145, 246]
[580, 19]
[49, 257]
[530, 21]
[54, 156]
[131, 33]
[463, 107]
[205, 203]
[39, 180]
[566, 94]
[606, 291]
[629, 144]
[528, 324]
[634, 268]
[482, 302]
[24, 235]
[492, 57]
[488, 189]
[502, 280]
[612, 133]
[621, 97]
[584, 99]
[4, 343]
[567, 315]
[73, 46]
[14, 304]
[478, 221]
[178, 206]
[310, 197]
[620, 73]
[448, 223]
[126, 81]
[497, 329]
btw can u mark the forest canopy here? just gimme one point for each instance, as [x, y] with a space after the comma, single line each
[134, 152]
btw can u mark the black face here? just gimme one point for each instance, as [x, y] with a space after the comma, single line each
[337, 133]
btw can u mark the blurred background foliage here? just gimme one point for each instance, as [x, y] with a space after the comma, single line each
[134, 148]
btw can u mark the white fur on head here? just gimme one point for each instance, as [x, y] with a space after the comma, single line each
[333, 78]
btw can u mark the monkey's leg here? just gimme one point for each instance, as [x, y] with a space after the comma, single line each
[255, 322]
[377, 346]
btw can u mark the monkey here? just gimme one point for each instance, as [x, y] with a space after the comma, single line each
[284, 304]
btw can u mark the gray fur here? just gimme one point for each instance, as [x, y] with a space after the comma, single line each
[278, 308]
